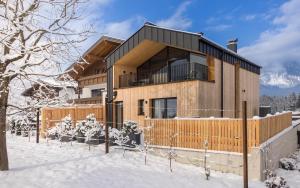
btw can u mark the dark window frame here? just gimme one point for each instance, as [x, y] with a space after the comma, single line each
[141, 107]
[165, 108]
[97, 90]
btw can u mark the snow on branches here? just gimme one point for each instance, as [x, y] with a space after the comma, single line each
[38, 39]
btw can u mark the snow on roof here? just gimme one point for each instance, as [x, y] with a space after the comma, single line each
[59, 83]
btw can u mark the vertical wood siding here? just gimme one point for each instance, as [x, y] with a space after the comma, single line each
[222, 134]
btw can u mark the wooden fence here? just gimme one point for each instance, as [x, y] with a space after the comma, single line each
[51, 116]
[221, 134]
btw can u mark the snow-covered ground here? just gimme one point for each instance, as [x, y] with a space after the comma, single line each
[51, 165]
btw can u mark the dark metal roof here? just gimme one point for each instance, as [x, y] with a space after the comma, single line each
[179, 39]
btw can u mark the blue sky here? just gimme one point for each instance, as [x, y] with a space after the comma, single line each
[263, 27]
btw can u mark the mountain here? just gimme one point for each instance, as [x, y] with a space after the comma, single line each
[279, 84]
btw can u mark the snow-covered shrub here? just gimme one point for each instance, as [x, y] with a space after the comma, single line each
[25, 128]
[52, 133]
[65, 126]
[20, 126]
[16, 123]
[130, 127]
[63, 130]
[276, 182]
[89, 130]
[294, 156]
[288, 163]
[127, 135]
[94, 135]
[12, 126]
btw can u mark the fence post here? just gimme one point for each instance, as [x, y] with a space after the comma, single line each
[38, 125]
[245, 145]
[107, 114]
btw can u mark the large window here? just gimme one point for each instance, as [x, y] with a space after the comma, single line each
[199, 67]
[172, 64]
[164, 108]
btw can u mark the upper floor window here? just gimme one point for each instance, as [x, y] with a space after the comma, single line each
[199, 66]
[96, 92]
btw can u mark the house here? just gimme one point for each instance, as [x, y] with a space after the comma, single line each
[91, 73]
[165, 73]
[51, 89]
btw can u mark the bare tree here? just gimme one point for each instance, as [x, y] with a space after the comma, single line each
[37, 37]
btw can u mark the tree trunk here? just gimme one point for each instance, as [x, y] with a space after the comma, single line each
[3, 149]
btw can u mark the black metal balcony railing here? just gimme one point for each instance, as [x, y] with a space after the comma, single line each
[167, 74]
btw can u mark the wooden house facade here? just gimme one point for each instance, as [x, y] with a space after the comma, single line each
[91, 73]
[165, 73]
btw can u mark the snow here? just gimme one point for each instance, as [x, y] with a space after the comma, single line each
[292, 176]
[54, 165]
[282, 80]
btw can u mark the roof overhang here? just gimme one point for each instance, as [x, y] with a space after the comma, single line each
[95, 54]
[141, 53]
[167, 37]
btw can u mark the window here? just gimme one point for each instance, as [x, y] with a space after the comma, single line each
[199, 66]
[97, 71]
[96, 92]
[172, 64]
[141, 107]
[164, 108]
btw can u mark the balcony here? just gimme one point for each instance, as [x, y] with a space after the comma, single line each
[91, 100]
[166, 74]
[92, 80]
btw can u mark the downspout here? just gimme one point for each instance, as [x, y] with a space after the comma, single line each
[78, 89]
[222, 84]
[109, 105]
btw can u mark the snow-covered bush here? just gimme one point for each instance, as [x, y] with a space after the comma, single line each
[288, 163]
[65, 126]
[52, 133]
[127, 135]
[12, 126]
[63, 130]
[276, 182]
[94, 135]
[89, 130]
[294, 156]
[130, 127]
[18, 124]
[25, 128]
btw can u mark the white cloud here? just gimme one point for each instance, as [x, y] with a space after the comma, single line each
[122, 29]
[279, 45]
[219, 27]
[177, 20]
[250, 17]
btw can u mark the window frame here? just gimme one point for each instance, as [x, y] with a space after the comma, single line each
[165, 108]
[141, 107]
[101, 92]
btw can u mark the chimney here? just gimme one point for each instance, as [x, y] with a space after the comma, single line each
[232, 45]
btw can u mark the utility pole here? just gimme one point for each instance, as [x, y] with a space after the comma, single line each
[245, 145]
[38, 125]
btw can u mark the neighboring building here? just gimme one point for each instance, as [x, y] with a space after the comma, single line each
[91, 75]
[165, 73]
[51, 89]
